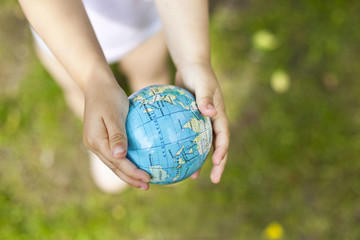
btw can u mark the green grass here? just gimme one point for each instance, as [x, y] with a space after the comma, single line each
[294, 156]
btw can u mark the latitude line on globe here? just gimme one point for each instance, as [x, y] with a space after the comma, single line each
[156, 118]
[169, 142]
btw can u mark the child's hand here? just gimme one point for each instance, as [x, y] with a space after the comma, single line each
[200, 79]
[106, 109]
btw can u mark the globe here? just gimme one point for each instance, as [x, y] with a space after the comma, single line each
[167, 135]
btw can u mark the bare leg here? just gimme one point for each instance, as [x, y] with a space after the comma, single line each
[147, 64]
[73, 94]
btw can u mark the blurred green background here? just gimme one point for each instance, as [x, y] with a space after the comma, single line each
[289, 71]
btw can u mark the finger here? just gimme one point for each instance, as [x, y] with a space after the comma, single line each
[138, 183]
[221, 139]
[94, 133]
[204, 99]
[217, 171]
[131, 170]
[101, 146]
[115, 126]
[122, 164]
[132, 182]
[117, 136]
[221, 132]
[195, 175]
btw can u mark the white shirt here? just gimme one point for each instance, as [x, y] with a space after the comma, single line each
[120, 25]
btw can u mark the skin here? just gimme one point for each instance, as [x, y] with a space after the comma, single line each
[59, 22]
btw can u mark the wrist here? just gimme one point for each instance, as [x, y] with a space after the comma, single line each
[196, 70]
[97, 76]
[192, 65]
[106, 94]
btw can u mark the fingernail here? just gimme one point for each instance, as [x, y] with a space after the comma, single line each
[216, 179]
[118, 150]
[143, 188]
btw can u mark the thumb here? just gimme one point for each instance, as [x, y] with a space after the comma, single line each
[117, 141]
[204, 100]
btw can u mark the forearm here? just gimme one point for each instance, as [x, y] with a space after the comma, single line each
[186, 28]
[66, 29]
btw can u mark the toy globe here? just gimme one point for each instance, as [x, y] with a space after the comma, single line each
[167, 135]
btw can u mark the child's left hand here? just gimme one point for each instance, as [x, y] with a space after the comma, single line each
[201, 80]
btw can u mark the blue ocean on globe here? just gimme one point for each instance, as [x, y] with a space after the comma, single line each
[167, 135]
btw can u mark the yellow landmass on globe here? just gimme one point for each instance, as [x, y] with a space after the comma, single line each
[179, 152]
[155, 93]
[139, 98]
[203, 140]
[176, 177]
[168, 98]
[158, 173]
[181, 104]
[193, 106]
[195, 125]
[156, 98]
[162, 89]
[158, 90]
[148, 110]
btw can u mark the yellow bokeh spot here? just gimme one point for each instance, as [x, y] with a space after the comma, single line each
[280, 81]
[274, 231]
[264, 40]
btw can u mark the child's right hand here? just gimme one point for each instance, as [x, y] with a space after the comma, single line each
[59, 23]
[106, 109]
